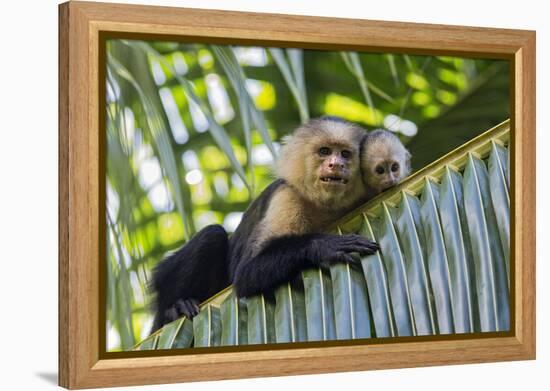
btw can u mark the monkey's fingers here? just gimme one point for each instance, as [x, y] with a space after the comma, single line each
[370, 248]
[356, 243]
[170, 314]
[362, 250]
[188, 307]
[355, 239]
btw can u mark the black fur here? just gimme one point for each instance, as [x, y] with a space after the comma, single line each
[201, 268]
[284, 257]
[239, 243]
[191, 275]
[209, 261]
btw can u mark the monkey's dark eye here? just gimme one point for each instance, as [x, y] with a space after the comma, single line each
[324, 151]
[379, 169]
[346, 154]
[394, 167]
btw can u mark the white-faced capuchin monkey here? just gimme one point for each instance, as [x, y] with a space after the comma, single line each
[384, 161]
[284, 229]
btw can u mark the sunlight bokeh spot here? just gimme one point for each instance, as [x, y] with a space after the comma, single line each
[421, 98]
[232, 220]
[417, 81]
[160, 198]
[113, 202]
[149, 172]
[194, 177]
[179, 131]
[352, 110]
[204, 218]
[261, 155]
[455, 79]
[431, 111]
[391, 122]
[446, 97]
[408, 128]
[180, 65]
[237, 182]
[137, 288]
[218, 98]
[128, 126]
[113, 337]
[142, 153]
[113, 91]
[252, 56]
[199, 119]
[190, 160]
[158, 73]
[201, 193]
[397, 124]
[262, 92]
[213, 159]
[206, 60]
[220, 184]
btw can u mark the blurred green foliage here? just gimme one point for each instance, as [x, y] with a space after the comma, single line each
[192, 131]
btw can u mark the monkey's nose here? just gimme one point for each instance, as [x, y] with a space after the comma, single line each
[335, 164]
[389, 183]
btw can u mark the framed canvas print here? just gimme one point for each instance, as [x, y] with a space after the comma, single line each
[247, 195]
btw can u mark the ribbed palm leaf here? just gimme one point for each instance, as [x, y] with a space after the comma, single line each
[443, 266]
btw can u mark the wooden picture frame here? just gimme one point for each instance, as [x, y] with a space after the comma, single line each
[82, 25]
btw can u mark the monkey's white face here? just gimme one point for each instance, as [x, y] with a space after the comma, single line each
[385, 174]
[334, 173]
[335, 163]
[384, 166]
[321, 161]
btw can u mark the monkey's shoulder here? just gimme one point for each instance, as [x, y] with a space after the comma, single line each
[259, 206]
[241, 242]
[288, 213]
[254, 214]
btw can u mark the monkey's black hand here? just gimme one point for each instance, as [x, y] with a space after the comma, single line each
[355, 243]
[337, 248]
[188, 308]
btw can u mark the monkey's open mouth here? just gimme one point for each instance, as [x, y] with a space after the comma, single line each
[334, 179]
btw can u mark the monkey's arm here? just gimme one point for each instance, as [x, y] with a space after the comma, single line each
[287, 240]
[282, 258]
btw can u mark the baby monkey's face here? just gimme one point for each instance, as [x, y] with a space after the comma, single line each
[385, 161]
[384, 173]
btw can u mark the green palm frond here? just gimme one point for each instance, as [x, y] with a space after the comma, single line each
[292, 68]
[443, 267]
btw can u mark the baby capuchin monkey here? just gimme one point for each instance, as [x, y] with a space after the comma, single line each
[384, 162]
[283, 232]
